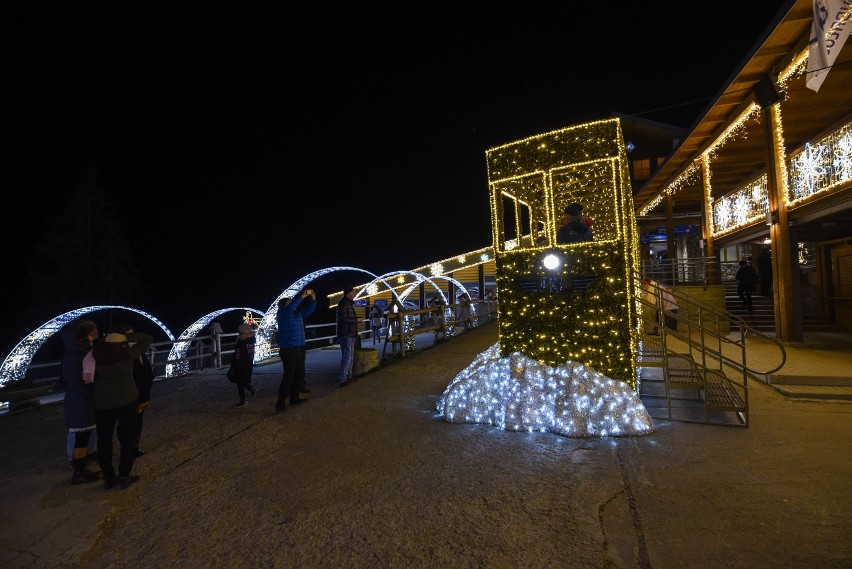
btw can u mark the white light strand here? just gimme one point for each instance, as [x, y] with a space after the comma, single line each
[517, 393]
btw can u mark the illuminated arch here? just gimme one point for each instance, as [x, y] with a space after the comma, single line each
[15, 365]
[421, 277]
[181, 345]
[263, 347]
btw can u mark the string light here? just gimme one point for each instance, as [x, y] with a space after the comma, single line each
[582, 309]
[518, 393]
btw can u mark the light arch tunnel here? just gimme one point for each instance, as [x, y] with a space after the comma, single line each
[14, 366]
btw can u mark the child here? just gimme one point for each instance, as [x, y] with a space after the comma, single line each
[243, 362]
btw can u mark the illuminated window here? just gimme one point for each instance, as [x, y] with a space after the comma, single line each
[641, 169]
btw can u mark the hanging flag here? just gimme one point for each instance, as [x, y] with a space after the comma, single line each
[829, 31]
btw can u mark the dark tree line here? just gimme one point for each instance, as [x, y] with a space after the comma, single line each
[78, 257]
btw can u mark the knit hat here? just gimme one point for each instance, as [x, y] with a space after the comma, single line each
[245, 328]
[347, 290]
[115, 338]
[574, 209]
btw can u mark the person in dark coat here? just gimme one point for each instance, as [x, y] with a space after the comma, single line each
[574, 227]
[746, 279]
[77, 340]
[291, 345]
[116, 398]
[347, 333]
[242, 364]
[143, 375]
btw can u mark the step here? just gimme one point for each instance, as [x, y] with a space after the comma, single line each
[785, 379]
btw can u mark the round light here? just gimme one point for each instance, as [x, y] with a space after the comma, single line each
[551, 261]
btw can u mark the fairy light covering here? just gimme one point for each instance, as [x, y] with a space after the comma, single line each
[821, 166]
[15, 365]
[518, 393]
[742, 207]
[177, 362]
[581, 311]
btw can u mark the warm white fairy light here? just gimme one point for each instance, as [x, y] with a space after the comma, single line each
[15, 365]
[517, 393]
[687, 176]
[437, 269]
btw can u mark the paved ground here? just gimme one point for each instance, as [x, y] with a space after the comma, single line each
[369, 476]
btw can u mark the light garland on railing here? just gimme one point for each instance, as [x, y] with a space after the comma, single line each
[517, 393]
[821, 166]
[741, 207]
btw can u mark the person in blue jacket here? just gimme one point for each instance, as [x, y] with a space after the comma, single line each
[291, 345]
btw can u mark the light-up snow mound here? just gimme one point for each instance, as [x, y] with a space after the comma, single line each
[517, 393]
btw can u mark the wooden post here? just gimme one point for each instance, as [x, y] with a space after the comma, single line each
[784, 263]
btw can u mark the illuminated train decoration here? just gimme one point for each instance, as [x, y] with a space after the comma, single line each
[567, 316]
[566, 302]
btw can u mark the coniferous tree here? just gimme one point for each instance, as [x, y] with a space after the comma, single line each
[82, 258]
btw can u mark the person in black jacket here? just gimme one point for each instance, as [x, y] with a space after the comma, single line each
[77, 339]
[347, 332]
[116, 398]
[143, 376]
[746, 279]
[242, 364]
[574, 226]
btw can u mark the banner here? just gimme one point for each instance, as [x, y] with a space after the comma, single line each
[829, 31]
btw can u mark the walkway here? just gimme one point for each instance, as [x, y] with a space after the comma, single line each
[368, 476]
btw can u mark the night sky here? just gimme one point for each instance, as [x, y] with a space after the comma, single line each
[247, 149]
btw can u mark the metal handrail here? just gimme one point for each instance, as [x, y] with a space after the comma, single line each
[702, 320]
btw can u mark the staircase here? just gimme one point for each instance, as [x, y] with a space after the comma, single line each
[762, 318]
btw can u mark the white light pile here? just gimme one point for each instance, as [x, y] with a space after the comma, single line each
[517, 393]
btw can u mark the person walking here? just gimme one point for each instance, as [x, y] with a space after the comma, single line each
[242, 363]
[78, 338]
[116, 398]
[746, 279]
[347, 332]
[291, 345]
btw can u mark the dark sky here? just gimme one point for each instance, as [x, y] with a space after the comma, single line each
[297, 141]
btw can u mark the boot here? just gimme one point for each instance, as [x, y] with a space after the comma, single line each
[83, 475]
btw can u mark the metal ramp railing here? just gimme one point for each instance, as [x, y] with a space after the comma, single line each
[690, 367]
